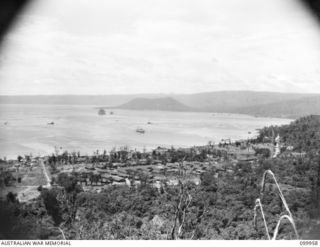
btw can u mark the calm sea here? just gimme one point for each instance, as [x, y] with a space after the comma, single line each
[80, 128]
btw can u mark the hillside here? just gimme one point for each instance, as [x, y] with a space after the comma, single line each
[299, 171]
[303, 134]
[286, 108]
[233, 101]
[159, 104]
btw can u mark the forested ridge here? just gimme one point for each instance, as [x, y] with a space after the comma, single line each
[303, 134]
[221, 207]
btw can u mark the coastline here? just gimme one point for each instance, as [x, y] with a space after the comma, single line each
[81, 128]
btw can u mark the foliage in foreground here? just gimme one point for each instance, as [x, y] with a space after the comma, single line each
[220, 208]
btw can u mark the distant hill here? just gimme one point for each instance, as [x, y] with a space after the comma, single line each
[287, 108]
[232, 101]
[159, 104]
[99, 100]
[267, 104]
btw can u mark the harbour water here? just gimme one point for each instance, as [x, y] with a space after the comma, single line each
[26, 129]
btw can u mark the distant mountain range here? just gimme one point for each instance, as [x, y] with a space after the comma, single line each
[287, 109]
[231, 101]
[267, 104]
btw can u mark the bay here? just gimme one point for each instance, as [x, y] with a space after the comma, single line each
[80, 128]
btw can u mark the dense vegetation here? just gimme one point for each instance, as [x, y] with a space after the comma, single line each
[303, 167]
[221, 207]
[303, 134]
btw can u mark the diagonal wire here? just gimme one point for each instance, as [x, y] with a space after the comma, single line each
[258, 204]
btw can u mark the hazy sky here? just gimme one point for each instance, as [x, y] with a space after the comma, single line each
[161, 46]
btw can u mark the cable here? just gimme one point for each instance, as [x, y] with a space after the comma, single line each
[284, 202]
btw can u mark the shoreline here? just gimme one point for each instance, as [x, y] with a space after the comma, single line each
[219, 146]
[85, 131]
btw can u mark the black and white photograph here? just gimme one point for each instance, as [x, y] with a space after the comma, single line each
[159, 120]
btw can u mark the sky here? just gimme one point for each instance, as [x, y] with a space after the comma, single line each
[161, 46]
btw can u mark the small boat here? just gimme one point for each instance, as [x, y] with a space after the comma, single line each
[111, 113]
[149, 122]
[51, 123]
[140, 130]
[101, 112]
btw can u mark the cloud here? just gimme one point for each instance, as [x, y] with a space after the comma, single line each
[106, 47]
